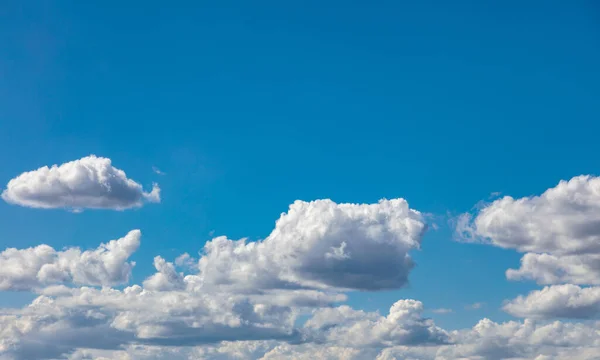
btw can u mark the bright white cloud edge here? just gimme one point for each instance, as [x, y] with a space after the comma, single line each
[87, 183]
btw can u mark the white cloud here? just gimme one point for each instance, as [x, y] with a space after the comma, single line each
[166, 277]
[89, 318]
[547, 269]
[404, 325]
[558, 301]
[442, 311]
[321, 244]
[90, 182]
[157, 171]
[31, 268]
[475, 306]
[520, 340]
[244, 300]
[139, 324]
[318, 352]
[559, 231]
[563, 220]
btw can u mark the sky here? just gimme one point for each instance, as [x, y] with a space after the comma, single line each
[412, 180]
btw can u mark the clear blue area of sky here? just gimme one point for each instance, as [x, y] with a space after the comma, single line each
[248, 106]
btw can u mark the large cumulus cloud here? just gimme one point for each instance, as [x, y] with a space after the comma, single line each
[90, 182]
[322, 244]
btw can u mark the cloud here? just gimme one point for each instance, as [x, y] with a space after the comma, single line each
[404, 325]
[166, 277]
[321, 244]
[558, 301]
[31, 268]
[88, 183]
[547, 269]
[157, 171]
[318, 352]
[249, 300]
[563, 220]
[523, 340]
[474, 306]
[109, 319]
[559, 231]
[442, 311]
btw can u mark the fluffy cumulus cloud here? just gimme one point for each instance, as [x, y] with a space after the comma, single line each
[523, 340]
[69, 321]
[278, 298]
[546, 269]
[558, 301]
[90, 182]
[88, 318]
[404, 325]
[322, 244]
[31, 268]
[558, 230]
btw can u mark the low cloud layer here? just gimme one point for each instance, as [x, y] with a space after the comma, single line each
[277, 298]
[88, 183]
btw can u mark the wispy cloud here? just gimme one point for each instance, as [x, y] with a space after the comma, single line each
[157, 171]
[442, 311]
[475, 306]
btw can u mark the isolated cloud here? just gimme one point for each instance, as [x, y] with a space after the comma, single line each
[31, 268]
[90, 182]
[559, 231]
[558, 301]
[321, 244]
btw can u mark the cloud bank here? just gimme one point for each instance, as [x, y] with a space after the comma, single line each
[281, 297]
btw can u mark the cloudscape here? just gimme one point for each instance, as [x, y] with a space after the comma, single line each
[325, 180]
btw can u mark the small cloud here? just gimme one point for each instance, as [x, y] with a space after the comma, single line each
[442, 311]
[87, 183]
[157, 171]
[475, 306]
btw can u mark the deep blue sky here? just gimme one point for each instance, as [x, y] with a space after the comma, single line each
[248, 106]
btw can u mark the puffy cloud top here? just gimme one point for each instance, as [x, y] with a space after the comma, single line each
[563, 220]
[322, 244]
[404, 325]
[27, 269]
[562, 301]
[559, 231]
[90, 182]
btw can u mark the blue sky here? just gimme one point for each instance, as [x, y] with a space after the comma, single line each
[248, 107]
